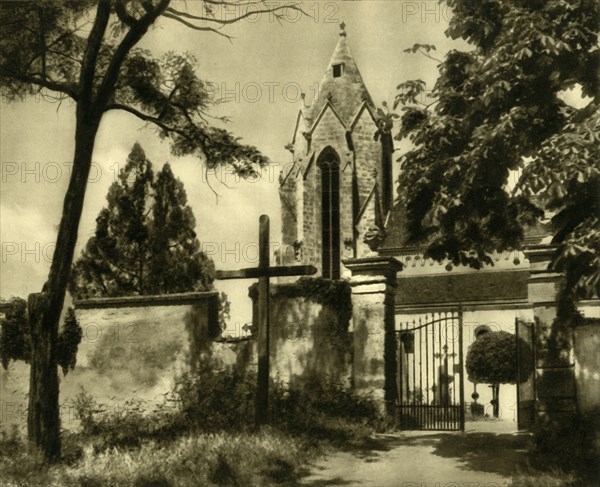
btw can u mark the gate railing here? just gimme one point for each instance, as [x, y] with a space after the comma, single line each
[430, 375]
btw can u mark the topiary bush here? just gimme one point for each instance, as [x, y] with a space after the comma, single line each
[492, 358]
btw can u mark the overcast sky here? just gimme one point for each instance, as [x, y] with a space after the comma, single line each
[261, 72]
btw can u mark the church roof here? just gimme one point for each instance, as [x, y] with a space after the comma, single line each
[397, 231]
[345, 93]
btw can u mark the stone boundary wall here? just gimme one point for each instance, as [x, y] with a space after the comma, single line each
[586, 352]
[307, 338]
[132, 349]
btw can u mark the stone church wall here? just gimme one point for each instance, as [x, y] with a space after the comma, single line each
[289, 215]
[329, 132]
[368, 155]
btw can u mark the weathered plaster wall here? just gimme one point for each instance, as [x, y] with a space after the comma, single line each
[587, 366]
[307, 340]
[132, 348]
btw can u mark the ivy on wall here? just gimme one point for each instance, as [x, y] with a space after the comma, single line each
[15, 338]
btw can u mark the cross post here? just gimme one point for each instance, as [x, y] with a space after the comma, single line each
[264, 272]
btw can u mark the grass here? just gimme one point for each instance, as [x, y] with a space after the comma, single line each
[197, 438]
[268, 457]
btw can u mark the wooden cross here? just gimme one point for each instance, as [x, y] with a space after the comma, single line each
[264, 272]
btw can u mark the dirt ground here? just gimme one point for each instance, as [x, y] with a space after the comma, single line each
[483, 456]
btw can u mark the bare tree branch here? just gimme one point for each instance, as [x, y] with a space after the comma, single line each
[55, 41]
[42, 83]
[175, 12]
[217, 195]
[65, 55]
[430, 57]
[167, 128]
[42, 40]
[195, 27]
[64, 35]
[240, 3]
[147, 118]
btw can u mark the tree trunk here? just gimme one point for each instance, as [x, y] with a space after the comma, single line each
[43, 420]
[496, 400]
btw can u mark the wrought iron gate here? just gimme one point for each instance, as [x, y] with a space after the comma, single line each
[430, 376]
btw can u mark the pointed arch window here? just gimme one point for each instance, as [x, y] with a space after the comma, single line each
[329, 165]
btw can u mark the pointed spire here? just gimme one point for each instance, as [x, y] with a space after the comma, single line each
[342, 85]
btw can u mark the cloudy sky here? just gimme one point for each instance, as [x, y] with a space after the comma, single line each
[261, 74]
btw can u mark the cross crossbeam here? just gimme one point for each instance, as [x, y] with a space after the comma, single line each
[264, 272]
[275, 271]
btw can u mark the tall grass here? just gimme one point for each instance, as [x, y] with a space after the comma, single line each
[202, 435]
[264, 458]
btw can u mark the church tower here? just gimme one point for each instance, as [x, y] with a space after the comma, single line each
[336, 193]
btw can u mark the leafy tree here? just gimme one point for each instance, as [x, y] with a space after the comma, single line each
[492, 359]
[145, 241]
[15, 340]
[498, 109]
[15, 337]
[86, 51]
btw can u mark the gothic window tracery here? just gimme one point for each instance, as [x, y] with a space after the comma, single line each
[330, 213]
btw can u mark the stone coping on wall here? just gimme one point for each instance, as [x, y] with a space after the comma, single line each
[234, 339]
[375, 265]
[178, 299]
[539, 256]
[498, 305]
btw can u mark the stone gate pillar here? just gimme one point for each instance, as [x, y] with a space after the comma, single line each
[555, 378]
[373, 317]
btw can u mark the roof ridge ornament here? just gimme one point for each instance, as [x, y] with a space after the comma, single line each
[343, 29]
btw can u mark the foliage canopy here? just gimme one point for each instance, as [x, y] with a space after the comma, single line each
[499, 109]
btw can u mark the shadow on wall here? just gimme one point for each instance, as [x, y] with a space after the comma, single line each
[587, 365]
[310, 334]
[202, 326]
[144, 362]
